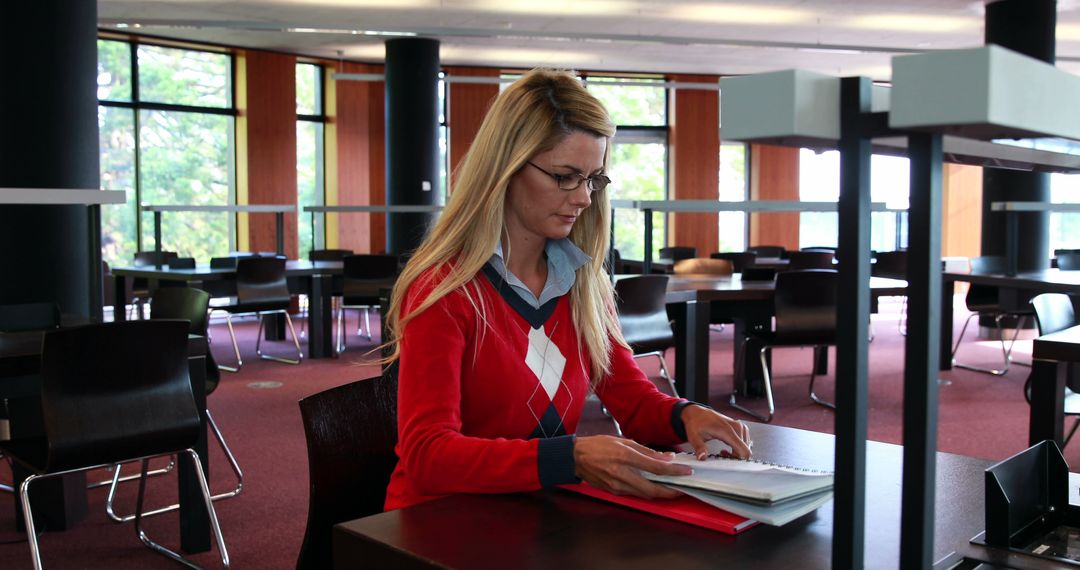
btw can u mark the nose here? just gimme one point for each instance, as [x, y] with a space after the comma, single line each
[581, 197]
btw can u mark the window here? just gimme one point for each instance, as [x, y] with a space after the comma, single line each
[1064, 226]
[733, 188]
[166, 124]
[310, 177]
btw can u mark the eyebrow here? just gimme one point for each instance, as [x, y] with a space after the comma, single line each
[599, 170]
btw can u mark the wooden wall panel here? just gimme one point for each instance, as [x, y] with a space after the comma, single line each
[361, 157]
[468, 103]
[774, 175]
[962, 215]
[271, 146]
[694, 146]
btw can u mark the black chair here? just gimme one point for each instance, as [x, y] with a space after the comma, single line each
[329, 254]
[739, 259]
[642, 311]
[1068, 261]
[193, 306]
[810, 260]
[1055, 312]
[768, 250]
[982, 301]
[261, 289]
[893, 264]
[805, 309]
[140, 287]
[351, 432]
[677, 253]
[364, 275]
[112, 393]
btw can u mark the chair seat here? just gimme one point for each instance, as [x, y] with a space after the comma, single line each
[232, 305]
[658, 343]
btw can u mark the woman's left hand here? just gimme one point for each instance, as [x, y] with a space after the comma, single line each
[703, 424]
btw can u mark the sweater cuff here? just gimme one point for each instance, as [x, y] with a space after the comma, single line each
[555, 461]
[676, 417]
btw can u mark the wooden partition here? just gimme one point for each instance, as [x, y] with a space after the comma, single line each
[359, 126]
[962, 215]
[694, 159]
[467, 105]
[774, 175]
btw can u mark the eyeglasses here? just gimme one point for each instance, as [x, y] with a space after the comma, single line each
[571, 182]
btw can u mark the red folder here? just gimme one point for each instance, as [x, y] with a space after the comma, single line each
[685, 509]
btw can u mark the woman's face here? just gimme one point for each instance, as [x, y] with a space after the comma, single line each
[536, 207]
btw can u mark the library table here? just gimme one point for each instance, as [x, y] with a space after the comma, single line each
[1051, 356]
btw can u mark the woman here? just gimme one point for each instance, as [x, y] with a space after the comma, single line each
[504, 319]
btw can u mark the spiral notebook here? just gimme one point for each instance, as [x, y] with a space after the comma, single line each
[747, 480]
[685, 509]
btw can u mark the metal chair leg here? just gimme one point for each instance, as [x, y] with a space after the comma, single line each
[153, 473]
[768, 392]
[813, 396]
[1005, 351]
[236, 347]
[296, 341]
[901, 323]
[28, 520]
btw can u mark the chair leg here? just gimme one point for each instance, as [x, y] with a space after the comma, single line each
[994, 372]
[236, 347]
[341, 326]
[367, 322]
[768, 391]
[813, 396]
[28, 520]
[665, 375]
[209, 509]
[901, 323]
[296, 341]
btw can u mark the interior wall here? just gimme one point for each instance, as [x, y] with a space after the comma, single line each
[774, 175]
[962, 215]
[361, 159]
[694, 159]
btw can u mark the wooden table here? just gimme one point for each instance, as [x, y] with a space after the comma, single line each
[60, 502]
[559, 529]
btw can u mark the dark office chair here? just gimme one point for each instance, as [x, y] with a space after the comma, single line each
[1068, 261]
[329, 254]
[982, 301]
[676, 253]
[810, 260]
[768, 250]
[805, 309]
[703, 266]
[261, 289]
[193, 306]
[140, 287]
[893, 264]
[1055, 312]
[739, 259]
[642, 312]
[112, 393]
[364, 275]
[351, 432]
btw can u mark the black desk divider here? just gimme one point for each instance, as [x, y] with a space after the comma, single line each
[1027, 506]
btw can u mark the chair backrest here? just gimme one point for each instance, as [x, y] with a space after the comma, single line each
[677, 252]
[144, 258]
[108, 285]
[328, 254]
[192, 305]
[261, 280]
[223, 262]
[365, 274]
[703, 265]
[642, 312]
[759, 274]
[810, 260]
[891, 264]
[988, 264]
[116, 391]
[828, 248]
[616, 262]
[739, 259]
[1053, 312]
[984, 298]
[181, 263]
[1068, 261]
[768, 250]
[805, 306]
[29, 317]
[351, 432]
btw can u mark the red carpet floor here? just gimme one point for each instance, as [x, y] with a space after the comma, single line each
[980, 415]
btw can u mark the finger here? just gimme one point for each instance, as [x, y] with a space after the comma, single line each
[697, 441]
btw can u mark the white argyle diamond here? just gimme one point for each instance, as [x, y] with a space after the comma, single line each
[545, 360]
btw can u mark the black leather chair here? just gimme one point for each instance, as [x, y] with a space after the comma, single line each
[893, 264]
[351, 432]
[805, 309]
[739, 259]
[982, 301]
[1068, 261]
[112, 393]
[140, 287]
[1055, 312]
[768, 251]
[810, 260]
[193, 306]
[642, 312]
[677, 253]
[364, 275]
[261, 289]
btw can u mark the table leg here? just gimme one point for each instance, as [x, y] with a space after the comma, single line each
[692, 350]
[194, 519]
[120, 298]
[1047, 401]
[945, 348]
[320, 338]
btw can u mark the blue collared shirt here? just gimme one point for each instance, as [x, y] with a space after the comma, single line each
[563, 258]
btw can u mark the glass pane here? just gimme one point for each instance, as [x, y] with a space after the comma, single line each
[185, 77]
[637, 173]
[819, 181]
[186, 158]
[308, 92]
[632, 105]
[444, 160]
[309, 183]
[889, 177]
[1064, 226]
[732, 189]
[116, 139]
[114, 71]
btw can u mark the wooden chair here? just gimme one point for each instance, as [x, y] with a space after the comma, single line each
[703, 265]
[351, 432]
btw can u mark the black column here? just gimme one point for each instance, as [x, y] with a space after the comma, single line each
[1027, 27]
[48, 139]
[412, 137]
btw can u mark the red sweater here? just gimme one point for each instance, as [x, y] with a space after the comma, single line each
[473, 414]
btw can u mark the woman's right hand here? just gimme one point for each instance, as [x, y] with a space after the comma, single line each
[613, 464]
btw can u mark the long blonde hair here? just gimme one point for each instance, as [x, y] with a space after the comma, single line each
[530, 116]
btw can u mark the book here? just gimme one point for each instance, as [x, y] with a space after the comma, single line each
[747, 480]
[685, 509]
[775, 514]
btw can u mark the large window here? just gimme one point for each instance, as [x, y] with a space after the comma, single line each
[166, 123]
[1064, 226]
[733, 188]
[310, 178]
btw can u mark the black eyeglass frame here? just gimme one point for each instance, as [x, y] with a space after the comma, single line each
[589, 180]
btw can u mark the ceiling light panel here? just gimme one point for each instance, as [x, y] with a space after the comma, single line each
[560, 8]
[912, 23]
[751, 14]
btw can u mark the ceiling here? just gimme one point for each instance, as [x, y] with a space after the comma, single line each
[837, 37]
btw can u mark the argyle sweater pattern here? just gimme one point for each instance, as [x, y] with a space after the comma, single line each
[493, 409]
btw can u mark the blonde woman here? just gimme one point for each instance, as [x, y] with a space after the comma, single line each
[503, 320]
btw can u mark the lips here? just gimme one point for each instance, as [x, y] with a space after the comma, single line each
[568, 219]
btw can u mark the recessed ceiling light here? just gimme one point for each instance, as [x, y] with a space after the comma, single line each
[913, 23]
[735, 14]
[560, 8]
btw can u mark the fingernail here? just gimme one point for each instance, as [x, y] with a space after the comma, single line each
[701, 456]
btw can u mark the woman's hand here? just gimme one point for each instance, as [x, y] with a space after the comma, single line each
[703, 424]
[613, 464]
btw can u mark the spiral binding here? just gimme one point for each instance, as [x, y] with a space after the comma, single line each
[806, 470]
